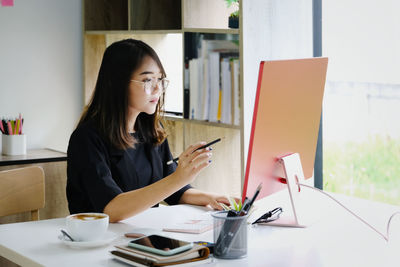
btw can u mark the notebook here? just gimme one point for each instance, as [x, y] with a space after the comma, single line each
[191, 227]
[197, 255]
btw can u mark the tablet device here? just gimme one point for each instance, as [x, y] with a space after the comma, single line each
[160, 245]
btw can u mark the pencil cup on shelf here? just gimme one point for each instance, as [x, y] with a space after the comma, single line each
[14, 144]
[230, 236]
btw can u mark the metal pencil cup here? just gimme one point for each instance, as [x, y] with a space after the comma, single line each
[230, 236]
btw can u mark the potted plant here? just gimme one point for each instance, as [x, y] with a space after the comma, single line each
[234, 16]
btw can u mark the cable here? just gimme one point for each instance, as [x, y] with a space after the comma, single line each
[355, 215]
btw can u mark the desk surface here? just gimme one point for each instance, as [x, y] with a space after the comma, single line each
[33, 156]
[336, 239]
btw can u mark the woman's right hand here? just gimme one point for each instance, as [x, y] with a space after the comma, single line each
[192, 162]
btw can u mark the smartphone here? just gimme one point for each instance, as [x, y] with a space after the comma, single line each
[160, 245]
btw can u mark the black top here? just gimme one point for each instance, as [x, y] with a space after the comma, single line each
[97, 172]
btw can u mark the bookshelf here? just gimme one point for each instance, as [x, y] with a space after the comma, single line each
[163, 25]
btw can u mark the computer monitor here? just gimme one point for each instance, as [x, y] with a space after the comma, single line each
[286, 118]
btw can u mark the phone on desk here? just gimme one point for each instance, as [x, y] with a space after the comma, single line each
[160, 245]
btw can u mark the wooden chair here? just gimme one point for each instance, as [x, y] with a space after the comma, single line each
[22, 190]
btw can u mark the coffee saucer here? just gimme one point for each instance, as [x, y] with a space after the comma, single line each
[107, 239]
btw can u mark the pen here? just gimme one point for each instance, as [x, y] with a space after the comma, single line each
[206, 145]
[12, 126]
[9, 128]
[5, 126]
[248, 205]
[22, 123]
[230, 228]
[2, 128]
[17, 126]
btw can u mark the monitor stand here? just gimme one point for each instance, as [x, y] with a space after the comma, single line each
[290, 171]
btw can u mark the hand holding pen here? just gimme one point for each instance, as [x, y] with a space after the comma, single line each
[199, 148]
[192, 161]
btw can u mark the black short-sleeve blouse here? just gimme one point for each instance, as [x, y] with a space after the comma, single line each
[98, 172]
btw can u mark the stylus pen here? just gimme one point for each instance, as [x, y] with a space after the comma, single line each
[206, 145]
[230, 228]
[248, 205]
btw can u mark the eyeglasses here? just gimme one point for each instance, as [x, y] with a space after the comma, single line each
[150, 85]
[269, 216]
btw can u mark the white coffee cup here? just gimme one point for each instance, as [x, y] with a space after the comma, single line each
[87, 226]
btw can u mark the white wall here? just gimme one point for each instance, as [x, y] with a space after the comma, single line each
[283, 30]
[41, 68]
[363, 43]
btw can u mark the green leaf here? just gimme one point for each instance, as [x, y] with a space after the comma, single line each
[225, 207]
[229, 3]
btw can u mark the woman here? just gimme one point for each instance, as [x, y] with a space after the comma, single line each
[117, 155]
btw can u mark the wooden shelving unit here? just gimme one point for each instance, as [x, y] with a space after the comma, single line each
[163, 24]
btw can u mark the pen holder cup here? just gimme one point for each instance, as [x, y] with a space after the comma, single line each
[14, 144]
[230, 236]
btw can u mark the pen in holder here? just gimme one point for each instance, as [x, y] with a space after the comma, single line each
[230, 235]
[14, 144]
[13, 139]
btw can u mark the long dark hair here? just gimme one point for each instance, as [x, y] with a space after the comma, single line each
[108, 107]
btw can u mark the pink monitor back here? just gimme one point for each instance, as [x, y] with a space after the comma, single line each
[286, 118]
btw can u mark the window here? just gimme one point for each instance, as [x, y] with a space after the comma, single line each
[361, 127]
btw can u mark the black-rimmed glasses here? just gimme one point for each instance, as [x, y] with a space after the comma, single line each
[150, 85]
[269, 216]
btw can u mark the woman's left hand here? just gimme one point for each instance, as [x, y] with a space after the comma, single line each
[197, 197]
[214, 200]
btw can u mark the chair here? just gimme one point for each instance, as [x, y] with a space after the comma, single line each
[22, 190]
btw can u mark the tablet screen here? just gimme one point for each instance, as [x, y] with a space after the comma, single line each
[160, 242]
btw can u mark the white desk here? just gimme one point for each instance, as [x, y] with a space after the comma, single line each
[337, 239]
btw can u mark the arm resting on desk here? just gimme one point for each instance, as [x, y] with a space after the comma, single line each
[129, 203]
[200, 198]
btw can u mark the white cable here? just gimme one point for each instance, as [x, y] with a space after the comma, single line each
[388, 224]
[355, 215]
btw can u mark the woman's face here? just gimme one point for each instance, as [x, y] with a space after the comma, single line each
[139, 99]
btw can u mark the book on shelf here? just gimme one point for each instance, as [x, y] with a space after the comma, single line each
[186, 93]
[226, 92]
[205, 101]
[214, 86]
[193, 87]
[235, 91]
[214, 82]
[227, 83]
[196, 255]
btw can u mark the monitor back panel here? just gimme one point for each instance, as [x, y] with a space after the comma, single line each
[286, 119]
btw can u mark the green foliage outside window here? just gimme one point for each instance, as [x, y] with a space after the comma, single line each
[234, 3]
[367, 169]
